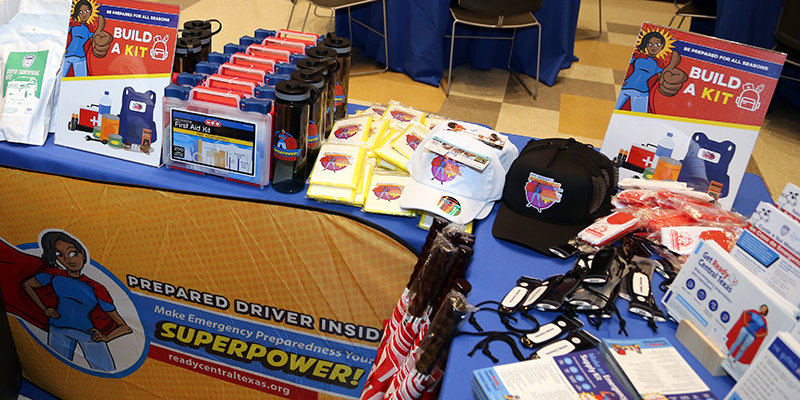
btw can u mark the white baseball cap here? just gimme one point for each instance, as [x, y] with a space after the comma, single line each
[443, 186]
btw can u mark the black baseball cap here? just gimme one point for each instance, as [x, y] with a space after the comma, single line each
[553, 190]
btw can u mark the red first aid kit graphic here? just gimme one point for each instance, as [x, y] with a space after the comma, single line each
[642, 156]
[88, 116]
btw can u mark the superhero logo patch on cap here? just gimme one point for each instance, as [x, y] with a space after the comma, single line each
[444, 169]
[449, 205]
[542, 192]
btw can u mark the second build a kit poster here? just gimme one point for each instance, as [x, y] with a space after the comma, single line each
[690, 109]
[118, 61]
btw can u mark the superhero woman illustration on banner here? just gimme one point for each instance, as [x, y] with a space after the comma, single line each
[85, 35]
[52, 293]
[747, 334]
[653, 67]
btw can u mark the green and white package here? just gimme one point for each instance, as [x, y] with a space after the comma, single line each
[31, 54]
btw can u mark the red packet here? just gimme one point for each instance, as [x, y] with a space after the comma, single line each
[609, 229]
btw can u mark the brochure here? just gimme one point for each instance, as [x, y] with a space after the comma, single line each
[690, 110]
[787, 201]
[118, 61]
[657, 370]
[589, 374]
[727, 303]
[770, 249]
[775, 374]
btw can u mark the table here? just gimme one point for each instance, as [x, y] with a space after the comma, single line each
[491, 275]
[417, 45]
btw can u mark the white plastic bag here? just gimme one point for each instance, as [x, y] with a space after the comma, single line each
[31, 54]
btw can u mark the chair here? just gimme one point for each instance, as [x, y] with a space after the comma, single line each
[511, 14]
[600, 23]
[788, 34]
[693, 9]
[334, 5]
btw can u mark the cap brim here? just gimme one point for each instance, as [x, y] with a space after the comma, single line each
[532, 233]
[419, 196]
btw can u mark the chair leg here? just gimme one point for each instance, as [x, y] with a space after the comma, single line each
[385, 42]
[672, 20]
[681, 23]
[790, 78]
[599, 23]
[303, 29]
[450, 68]
[349, 24]
[315, 12]
[538, 61]
[538, 54]
[294, 4]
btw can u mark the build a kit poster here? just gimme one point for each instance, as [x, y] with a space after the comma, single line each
[197, 298]
[690, 110]
[118, 61]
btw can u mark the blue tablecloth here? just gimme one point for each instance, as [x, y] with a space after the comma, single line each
[493, 276]
[418, 48]
[495, 267]
[754, 23]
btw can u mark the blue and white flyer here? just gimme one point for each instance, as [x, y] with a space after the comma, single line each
[770, 249]
[775, 374]
[731, 306]
[657, 370]
[584, 375]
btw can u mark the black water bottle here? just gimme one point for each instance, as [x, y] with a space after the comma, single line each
[316, 114]
[204, 36]
[290, 141]
[323, 57]
[342, 46]
[328, 67]
[187, 55]
[205, 25]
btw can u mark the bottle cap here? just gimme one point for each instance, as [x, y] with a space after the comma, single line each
[328, 63]
[292, 90]
[339, 44]
[186, 45]
[203, 35]
[320, 52]
[310, 76]
[197, 24]
[462, 286]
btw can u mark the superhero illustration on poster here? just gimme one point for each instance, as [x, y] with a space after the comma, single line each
[86, 35]
[653, 67]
